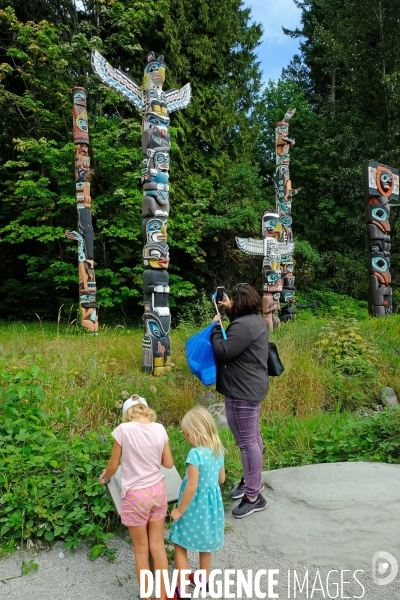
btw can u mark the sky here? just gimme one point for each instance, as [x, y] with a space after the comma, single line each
[276, 48]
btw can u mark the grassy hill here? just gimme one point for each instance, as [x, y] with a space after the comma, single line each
[61, 395]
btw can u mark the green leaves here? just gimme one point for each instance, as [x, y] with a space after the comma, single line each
[48, 472]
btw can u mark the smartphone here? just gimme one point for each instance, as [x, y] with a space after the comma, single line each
[220, 294]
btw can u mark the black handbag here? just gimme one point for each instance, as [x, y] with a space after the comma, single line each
[275, 366]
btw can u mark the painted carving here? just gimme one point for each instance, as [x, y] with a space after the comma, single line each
[155, 106]
[85, 235]
[276, 245]
[381, 185]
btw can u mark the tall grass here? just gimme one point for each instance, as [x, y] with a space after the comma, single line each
[98, 372]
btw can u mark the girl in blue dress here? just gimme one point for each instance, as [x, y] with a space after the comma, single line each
[199, 518]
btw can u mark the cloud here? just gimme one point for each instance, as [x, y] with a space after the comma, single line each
[273, 14]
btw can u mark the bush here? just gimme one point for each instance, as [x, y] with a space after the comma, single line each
[48, 476]
[352, 361]
[338, 437]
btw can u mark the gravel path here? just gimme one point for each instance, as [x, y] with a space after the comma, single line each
[75, 577]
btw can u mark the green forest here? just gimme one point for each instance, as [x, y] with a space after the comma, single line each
[345, 85]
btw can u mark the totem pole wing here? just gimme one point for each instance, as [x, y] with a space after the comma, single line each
[286, 247]
[117, 80]
[289, 114]
[250, 246]
[178, 99]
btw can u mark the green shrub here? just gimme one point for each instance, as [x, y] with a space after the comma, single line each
[48, 477]
[338, 437]
[353, 361]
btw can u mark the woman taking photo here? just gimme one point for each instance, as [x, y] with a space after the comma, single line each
[242, 377]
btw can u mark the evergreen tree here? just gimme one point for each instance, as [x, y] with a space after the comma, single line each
[349, 73]
[46, 50]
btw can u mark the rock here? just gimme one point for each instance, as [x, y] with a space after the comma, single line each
[206, 398]
[217, 410]
[327, 514]
[388, 397]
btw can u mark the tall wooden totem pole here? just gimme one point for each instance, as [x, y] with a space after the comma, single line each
[84, 236]
[277, 245]
[155, 107]
[381, 184]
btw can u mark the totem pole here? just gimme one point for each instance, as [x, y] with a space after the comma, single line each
[284, 194]
[155, 107]
[277, 245]
[84, 236]
[381, 184]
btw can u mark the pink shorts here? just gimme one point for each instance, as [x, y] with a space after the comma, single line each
[144, 505]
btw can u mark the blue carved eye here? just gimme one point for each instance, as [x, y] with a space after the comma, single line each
[386, 177]
[154, 226]
[380, 264]
[154, 330]
[379, 214]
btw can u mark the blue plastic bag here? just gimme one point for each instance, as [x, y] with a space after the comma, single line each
[201, 357]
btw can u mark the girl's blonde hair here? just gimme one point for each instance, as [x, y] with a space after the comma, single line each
[139, 410]
[201, 426]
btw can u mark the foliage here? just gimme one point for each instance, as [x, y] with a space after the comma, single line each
[352, 126]
[337, 437]
[353, 361]
[345, 349]
[198, 313]
[48, 477]
[55, 428]
[46, 52]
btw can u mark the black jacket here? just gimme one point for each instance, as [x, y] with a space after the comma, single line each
[242, 359]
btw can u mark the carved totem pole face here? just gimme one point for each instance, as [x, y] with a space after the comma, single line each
[271, 269]
[271, 227]
[154, 72]
[381, 183]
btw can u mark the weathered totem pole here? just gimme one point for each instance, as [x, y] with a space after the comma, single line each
[155, 107]
[277, 245]
[84, 236]
[381, 184]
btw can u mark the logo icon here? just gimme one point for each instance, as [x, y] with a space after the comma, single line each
[384, 568]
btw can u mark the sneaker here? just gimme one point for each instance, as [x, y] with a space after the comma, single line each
[238, 492]
[247, 507]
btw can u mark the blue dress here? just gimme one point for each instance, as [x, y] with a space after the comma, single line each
[201, 527]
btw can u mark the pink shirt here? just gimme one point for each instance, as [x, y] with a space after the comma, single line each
[142, 448]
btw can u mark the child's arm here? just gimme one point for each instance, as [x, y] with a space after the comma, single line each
[113, 463]
[166, 460]
[221, 478]
[188, 494]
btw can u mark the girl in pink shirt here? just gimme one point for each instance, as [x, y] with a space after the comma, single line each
[144, 447]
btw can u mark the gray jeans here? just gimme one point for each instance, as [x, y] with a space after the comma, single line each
[244, 421]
